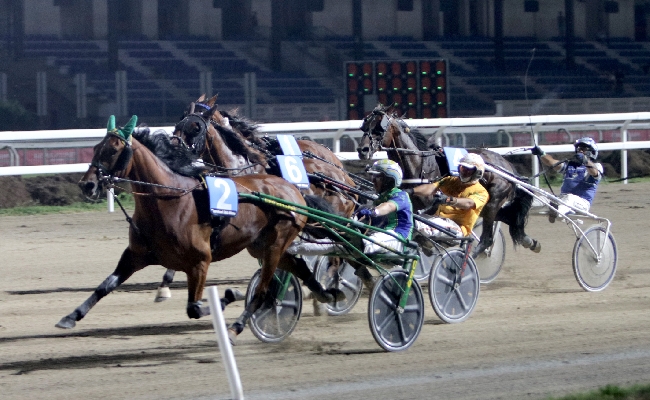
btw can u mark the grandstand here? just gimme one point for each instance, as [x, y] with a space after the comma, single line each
[163, 76]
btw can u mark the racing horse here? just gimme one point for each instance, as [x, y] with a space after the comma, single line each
[171, 225]
[255, 154]
[384, 130]
[227, 152]
[309, 148]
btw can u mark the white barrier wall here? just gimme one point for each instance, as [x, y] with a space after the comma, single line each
[335, 130]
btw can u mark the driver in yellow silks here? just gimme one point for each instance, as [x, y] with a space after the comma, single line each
[460, 199]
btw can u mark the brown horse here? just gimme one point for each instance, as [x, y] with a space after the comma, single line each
[383, 130]
[325, 161]
[227, 151]
[172, 226]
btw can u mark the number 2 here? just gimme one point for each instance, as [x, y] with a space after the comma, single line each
[222, 203]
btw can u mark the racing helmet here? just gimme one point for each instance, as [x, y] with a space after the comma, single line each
[589, 142]
[475, 162]
[388, 168]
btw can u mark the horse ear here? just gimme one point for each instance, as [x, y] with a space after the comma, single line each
[128, 128]
[111, 123]
[200, 99]
[212, 101]
[209, 113]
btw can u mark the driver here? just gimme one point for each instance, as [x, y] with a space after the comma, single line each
[582, 174]
[460, 199]
[392, 212]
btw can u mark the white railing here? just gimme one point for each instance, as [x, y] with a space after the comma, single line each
[444, 129]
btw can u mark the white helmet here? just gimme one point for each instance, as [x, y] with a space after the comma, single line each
[475, 162]
[389, 168]
[589, 142]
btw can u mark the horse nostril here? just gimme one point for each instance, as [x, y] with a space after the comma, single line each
[87, 187]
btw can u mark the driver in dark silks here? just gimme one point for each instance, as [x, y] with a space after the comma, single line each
[459, 199]
[392, 211]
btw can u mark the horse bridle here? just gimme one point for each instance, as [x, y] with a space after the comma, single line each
[119, 164]
[373, 129]
[193, 117]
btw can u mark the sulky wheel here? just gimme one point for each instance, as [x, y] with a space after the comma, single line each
[341, 278]
[395, 329]
[277, 317]
[453, 293]
[595, 272]
[490, 262]
[428, 257]
[311, 261]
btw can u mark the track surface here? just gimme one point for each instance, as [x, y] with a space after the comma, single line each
[534, 332]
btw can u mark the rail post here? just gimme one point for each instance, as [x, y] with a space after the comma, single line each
[227, 356]
[624, 152]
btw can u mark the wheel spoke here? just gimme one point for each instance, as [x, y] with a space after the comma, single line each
[290, 303]
[389, 317]
[349, 285]
[469, 276]
[277, 319]
[461, 299]
[264, 312]
[400, 326]
[444, 279]
[390, 302]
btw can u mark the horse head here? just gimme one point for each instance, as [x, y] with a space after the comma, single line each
[373, 127]
[111, 156]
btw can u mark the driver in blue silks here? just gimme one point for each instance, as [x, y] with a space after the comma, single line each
[582, 174]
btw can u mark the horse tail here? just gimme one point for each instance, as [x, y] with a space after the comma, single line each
[515, 215]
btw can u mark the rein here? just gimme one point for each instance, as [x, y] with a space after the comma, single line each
[114, 179]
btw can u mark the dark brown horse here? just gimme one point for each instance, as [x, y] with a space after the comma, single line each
[172, 226]
[383, 130]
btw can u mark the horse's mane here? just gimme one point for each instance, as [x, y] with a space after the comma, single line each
[247, 128]
[419, 139]
[415, 135]
[178, 158]
[237, 144]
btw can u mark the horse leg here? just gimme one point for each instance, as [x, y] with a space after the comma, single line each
[487, 236]
[515, 215]
[163, 292]
[269, 263]
[128, 264]
[196, 277]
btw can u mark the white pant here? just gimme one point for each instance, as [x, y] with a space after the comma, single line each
[314, 247]
[572, 200]
[434, 233]
[383, 238]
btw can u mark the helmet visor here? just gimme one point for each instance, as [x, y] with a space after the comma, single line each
[466, 173]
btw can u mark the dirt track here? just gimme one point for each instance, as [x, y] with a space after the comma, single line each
[534, 332]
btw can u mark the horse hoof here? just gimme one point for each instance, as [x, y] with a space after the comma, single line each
[338, 295]
[232, 336]
[234, 295]
[66, 323]
[325, 297]
[163, 294]
[536, 247]
[480, 256]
